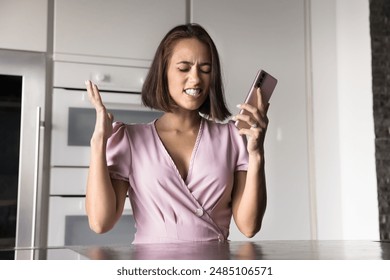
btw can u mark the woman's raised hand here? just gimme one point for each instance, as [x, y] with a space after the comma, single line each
[258, 121]
[103, 125]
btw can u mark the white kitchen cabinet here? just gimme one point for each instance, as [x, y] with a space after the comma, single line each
[252, 34]
[24, 25]
[123, 29]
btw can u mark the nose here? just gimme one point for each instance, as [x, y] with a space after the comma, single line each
[194, 75]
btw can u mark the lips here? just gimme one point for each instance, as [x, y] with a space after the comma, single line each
[192, 91]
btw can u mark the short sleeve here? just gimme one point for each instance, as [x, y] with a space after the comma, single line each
[239, 146]
[118, 153]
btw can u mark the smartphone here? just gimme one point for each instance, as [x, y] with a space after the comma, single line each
[267, 84]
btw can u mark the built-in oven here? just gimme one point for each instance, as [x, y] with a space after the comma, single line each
[73, 121]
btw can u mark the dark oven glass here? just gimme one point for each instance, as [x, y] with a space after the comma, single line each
[10, 117]
[82, 122]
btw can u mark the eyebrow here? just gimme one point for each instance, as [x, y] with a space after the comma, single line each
[190, 63]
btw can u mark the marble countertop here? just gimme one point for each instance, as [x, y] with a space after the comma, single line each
[233, 250]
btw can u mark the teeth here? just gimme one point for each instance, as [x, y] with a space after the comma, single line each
[192, 91]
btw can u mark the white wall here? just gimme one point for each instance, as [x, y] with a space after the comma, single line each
[357, 139]
[344, 146]
[326, 148]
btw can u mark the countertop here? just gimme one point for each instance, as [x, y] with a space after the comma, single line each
[233, 250]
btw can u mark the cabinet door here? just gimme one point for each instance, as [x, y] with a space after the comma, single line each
[253, 34]
[23, 25]
[128, 29]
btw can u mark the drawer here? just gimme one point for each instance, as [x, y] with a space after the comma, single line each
[107, 77]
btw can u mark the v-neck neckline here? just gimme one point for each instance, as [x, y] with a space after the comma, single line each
[186, 180]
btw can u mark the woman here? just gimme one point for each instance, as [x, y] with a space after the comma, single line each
[186, 174]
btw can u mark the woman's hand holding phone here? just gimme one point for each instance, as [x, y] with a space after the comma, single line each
[103, 125]
[252, 119]
[256, 121]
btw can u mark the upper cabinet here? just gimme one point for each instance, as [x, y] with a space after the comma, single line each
[126, 30]
[23, 25]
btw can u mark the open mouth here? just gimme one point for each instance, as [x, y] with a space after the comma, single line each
[192, 91]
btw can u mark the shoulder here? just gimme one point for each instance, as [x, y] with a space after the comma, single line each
[120, 126]
[140, 128]
[126, 137]
[227, 131]
[130, 132]
[137, 135]
[227, 127]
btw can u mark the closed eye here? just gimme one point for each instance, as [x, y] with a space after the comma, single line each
[184, 66]
[184, 69]
[206, 68]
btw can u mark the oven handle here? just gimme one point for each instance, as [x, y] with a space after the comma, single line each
[112, 100]
[39, 125]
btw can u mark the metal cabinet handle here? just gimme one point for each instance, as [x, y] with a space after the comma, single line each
[39, 125]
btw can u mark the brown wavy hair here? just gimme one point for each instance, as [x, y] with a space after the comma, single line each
[155, 92]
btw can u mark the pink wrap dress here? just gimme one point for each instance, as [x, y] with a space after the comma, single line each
[167, 208]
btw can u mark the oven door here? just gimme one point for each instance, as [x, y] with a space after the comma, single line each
[68, 225]
[74, 117]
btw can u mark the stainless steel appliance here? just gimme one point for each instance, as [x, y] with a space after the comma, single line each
[24, 157]
[73, 121]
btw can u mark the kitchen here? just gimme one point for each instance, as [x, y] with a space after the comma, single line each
[308, 140]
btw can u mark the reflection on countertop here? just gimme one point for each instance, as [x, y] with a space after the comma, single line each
[261, 250]
[233, 250]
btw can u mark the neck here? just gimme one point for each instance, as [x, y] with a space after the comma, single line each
[180, 122]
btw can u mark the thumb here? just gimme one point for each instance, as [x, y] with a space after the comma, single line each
[110, 117]
[259, 98]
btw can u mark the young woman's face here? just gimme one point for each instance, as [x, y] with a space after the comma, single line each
[189, 71]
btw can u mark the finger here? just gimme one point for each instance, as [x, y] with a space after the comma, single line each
[97, 94]
[262, 111]
[91, 93]
[262, 106]
[259, 99]
[245, 118]
[255, 119]
[94, 95]
[88, 85]
[253, 133]
[248, 107]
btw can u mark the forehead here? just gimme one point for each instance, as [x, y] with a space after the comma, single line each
[191, 50]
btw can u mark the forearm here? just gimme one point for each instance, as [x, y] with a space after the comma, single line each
[252, 199]
[100, 195]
